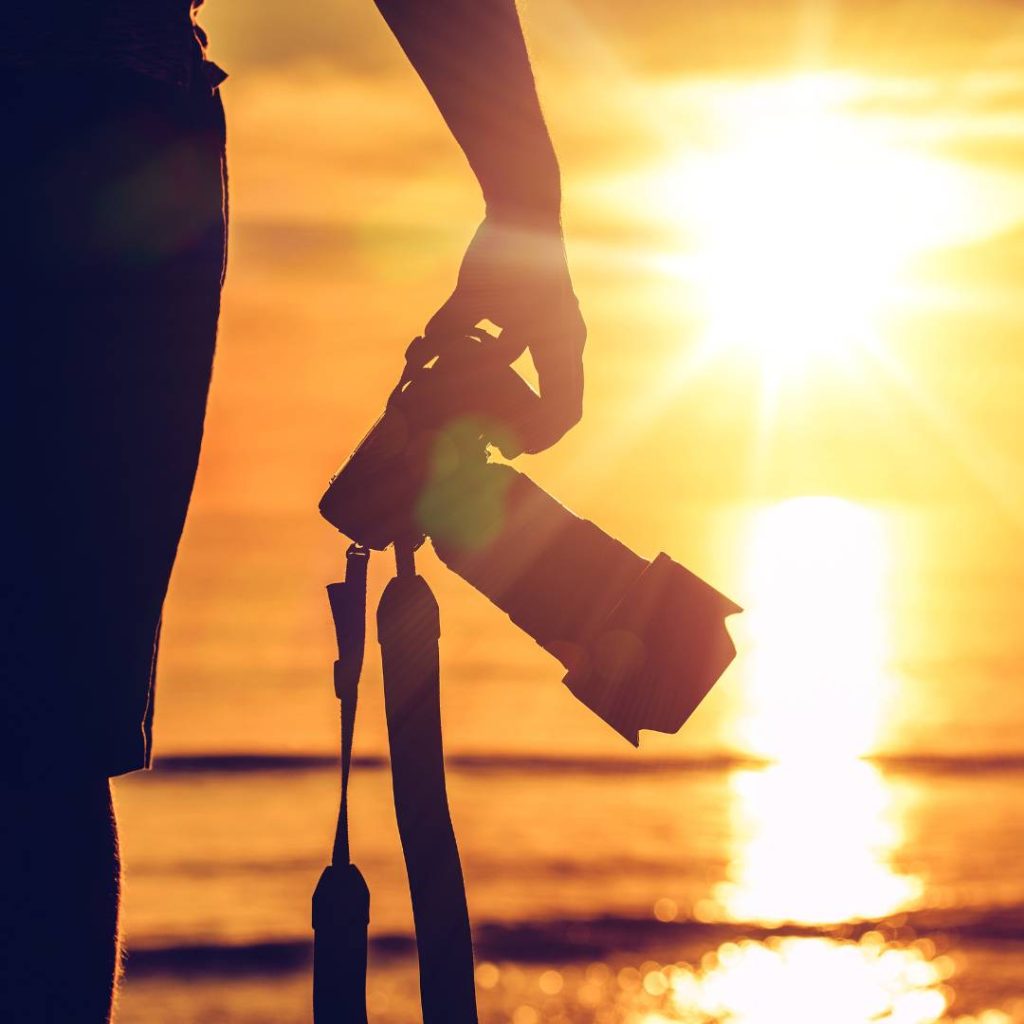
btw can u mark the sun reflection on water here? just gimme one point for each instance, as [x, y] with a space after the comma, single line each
[807, 981]
[793, 980]
[813, 847]
[815, 831]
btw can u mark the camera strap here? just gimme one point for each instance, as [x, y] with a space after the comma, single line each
[341, 902]
[408, 628]
[348, 608]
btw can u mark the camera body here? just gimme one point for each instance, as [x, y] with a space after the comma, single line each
[402, 481]
[642, 641]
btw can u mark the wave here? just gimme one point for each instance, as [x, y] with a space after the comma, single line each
[234, 763]
[586, 939]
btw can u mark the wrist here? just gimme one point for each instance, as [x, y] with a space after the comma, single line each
[529, 196]
[526, 212]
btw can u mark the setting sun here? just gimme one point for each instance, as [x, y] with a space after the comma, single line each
[803, 216]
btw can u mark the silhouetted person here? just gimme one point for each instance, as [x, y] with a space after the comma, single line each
[113, 213]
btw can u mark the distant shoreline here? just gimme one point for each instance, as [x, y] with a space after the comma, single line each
[240, 763]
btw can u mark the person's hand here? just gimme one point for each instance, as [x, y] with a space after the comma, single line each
[515, 275]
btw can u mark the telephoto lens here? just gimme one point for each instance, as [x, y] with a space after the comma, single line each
[642, 642]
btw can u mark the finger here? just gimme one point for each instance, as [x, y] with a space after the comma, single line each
[459, 316]
[557, 413]
[456, 316]
[560, 378]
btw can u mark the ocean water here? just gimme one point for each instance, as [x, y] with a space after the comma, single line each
[835, 836]
[902, 880]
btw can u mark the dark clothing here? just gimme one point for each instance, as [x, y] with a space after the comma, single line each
[157, 38]
[113, 224]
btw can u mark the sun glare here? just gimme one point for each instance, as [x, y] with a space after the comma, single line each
[799, 220]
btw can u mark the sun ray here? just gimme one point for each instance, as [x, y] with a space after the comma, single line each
[970, 450]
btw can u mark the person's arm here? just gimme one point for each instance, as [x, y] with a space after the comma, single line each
[472, 58]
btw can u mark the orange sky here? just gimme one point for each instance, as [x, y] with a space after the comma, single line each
[350, 204]
[796, 231]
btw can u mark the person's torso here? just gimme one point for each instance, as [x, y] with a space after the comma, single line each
[156, 38]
